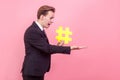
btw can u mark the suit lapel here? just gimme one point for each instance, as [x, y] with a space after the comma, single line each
[45, 35]
[41, 32]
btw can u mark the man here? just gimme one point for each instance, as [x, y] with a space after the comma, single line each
[37, 48]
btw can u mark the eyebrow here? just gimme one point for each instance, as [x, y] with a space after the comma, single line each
[51, 17]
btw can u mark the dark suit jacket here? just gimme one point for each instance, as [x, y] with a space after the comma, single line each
[38, 51]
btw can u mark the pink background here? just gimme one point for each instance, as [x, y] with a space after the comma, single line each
[94, 23]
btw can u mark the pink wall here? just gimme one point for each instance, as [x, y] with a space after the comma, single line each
[95, 23]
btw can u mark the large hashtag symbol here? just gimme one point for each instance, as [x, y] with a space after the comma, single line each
[63, 35]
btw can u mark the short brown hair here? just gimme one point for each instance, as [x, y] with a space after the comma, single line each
[43, 10]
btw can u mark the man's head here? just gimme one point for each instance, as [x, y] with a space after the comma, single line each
[45, 15]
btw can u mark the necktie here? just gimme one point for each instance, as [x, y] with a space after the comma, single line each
[45, 35]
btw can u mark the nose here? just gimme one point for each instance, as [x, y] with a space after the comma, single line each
[51, 22]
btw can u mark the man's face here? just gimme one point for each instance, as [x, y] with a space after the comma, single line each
[47, 19]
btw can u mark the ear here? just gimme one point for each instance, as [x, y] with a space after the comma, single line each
[42, 17]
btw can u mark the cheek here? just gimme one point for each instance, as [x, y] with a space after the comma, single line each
[47, 20]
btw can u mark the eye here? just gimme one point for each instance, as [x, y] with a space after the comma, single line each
[51, 17]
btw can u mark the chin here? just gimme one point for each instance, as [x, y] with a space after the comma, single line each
[48, 26]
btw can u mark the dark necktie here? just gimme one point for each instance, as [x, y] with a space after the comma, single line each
[45, 35]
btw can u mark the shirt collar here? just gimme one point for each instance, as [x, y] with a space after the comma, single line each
[39, 25]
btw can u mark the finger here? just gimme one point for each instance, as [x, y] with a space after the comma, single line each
[81, 47]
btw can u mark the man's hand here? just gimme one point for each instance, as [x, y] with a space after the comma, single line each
[61, 43]
[78, 47]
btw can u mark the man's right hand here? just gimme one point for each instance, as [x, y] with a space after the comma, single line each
[78, 47]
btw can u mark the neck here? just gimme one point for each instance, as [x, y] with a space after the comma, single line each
[40, 22]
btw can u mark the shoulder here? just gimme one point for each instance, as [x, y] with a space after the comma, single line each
[33, 28]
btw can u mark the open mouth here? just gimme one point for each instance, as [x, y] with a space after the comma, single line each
[48, 24]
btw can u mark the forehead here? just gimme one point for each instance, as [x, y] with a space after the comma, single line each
[50, 14]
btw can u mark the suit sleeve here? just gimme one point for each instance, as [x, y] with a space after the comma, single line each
[38, 41]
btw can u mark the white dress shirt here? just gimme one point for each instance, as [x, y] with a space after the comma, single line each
[39, 25]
